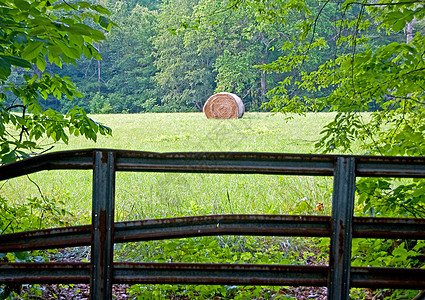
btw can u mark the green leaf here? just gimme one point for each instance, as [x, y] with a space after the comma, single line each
[100, 9]
[22, 5]
[32, 50]
[16, 61]
[87, 52]
[80, 29]
[3, 63]
[71, 52]
[4, 72]
[104, 22]
[97, 35]
[83, 4]
[20, 39]
[38, 39]
[41, 64]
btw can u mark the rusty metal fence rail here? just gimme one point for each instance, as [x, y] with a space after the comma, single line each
[101, 272]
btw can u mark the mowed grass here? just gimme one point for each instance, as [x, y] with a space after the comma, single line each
[157, 195]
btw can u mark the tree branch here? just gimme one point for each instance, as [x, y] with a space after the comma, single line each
[15, 106]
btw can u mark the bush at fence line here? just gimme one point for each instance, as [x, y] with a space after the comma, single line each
[231, 249]
[33, 214]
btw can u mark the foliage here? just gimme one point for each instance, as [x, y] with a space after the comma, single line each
[207, 250]
[129, 79]
[374, 67]
[384, 72]
[100, 105]
[183, 76]
[35, 35]
[389, 253]
[170, 56]
[385, 198]
[34, 214]
[234, 72]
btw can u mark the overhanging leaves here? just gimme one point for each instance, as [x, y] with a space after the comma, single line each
[16, 61]
[30, 34]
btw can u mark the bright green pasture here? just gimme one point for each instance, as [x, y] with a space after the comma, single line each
[147, 195]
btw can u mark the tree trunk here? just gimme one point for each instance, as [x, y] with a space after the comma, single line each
[263, 84]
[409, 31]
[97, 47]
[98, 76]
[263, 81]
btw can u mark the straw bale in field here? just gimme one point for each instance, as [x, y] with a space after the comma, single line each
[224, 106]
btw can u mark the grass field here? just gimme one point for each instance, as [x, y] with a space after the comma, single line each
[147, 195]
[158, 195]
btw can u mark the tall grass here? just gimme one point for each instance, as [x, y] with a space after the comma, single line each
[156, 195]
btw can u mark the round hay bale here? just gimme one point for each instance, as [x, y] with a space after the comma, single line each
[224, 106]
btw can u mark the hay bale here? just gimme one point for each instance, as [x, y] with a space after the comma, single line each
[224, 106]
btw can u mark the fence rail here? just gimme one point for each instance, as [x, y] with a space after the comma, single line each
[103, 233]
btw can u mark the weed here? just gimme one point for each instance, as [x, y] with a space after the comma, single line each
[228, 249]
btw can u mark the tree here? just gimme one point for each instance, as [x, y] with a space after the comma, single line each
[129, 62]
[185, 78]
[373, 68]
[34, 36]
[237, 43]
[204, 47]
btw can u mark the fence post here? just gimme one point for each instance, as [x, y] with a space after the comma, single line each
[102, 242]
[342, 216]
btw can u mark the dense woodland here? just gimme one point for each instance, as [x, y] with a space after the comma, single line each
[155, 60]
[170, 56]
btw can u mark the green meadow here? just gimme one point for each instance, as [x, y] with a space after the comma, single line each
[158, 195]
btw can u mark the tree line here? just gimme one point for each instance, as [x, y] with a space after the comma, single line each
[170, 56]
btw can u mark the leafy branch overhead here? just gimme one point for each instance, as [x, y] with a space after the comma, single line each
[34, 35]
[373, 79]
[375, 63]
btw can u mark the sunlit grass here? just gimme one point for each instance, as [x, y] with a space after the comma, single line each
[157, 195]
